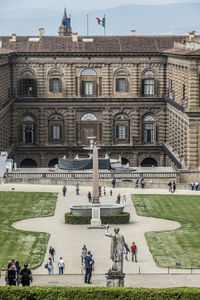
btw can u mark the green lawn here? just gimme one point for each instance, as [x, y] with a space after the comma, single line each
[24, 246]
[181, 245]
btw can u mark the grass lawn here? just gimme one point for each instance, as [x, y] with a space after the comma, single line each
[180, 245]
[24, 246]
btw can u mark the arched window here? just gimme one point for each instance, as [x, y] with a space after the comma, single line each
[55, 82]
[88, 117]
[88, 83]
[121, 81]
[148, 129]
[28, 130]
[28, 84]
[148, 83]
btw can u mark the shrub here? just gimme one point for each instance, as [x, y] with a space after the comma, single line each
[107, 219]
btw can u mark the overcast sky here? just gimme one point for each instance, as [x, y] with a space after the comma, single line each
[80, 4]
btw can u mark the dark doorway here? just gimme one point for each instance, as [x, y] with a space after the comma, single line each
[149, 162]
[52, 163]
[124, 161]
[28, 163]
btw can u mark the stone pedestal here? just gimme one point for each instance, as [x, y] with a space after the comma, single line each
[96, 220]
[114, 279]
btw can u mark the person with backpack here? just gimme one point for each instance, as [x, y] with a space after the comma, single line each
[52, 252]
[49, 265]
[26, 276]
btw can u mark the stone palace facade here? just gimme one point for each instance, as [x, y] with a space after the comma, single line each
[138, 95]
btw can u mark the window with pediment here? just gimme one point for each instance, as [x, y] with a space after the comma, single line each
[122, 128]
[56, 129]
[88, 83]
[149, 129]
[28, 84]
[121, 81]
[148, 83]
[55, 81]
[28, 130]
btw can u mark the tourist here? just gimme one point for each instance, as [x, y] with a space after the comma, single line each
[142, 183]
[124, 200]
[136, 184]
[192, 185]
[52, 252]
[61, 265]
[99, 190]
[64, 190]
[18, 269]
[92, 267]
[104, 191]
[113, 183]
[134, 252]
[12, 263]
[118, 199]
[170, 186]
[77, 189]
[89, 197]
[110, 192]
[88, 267]
[83, 253]
[49, 265]
[12, 275]
[26, 276]
[197, 185]
[174, 187]
[126, 254]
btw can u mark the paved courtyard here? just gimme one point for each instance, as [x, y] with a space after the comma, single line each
[69, 239]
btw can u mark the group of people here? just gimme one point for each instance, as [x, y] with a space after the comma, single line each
[133, 250]
[87, 262]
[16, 276]
[172, 187]
[118, 200]
[142, 183]
[195, 185]
[49, 264]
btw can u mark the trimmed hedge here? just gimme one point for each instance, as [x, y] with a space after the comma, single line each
[107, 219]
[97, 293]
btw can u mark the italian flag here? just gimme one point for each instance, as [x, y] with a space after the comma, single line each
[101, 21]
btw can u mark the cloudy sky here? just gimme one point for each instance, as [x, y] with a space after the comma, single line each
[80, 4]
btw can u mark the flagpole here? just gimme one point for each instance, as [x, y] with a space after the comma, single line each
[87, 25]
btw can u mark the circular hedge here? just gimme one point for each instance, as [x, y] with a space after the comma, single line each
[107, 219]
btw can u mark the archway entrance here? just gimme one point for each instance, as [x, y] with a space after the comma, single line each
[52, 163]
[149, 162]
[28, 163]
[124, 161]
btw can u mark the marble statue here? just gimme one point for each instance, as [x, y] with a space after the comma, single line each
[116, 250]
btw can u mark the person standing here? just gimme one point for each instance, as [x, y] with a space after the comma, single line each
[64, 190]
[192, 185]
[89, 197]
[61, 265]
[88, 267]
[52, 252]
[170, 186]
[83, 253]
[104, 191]
[136, 184]
[110, 192]
[125, 254]
[124, 200]
[197, 185]
[12, 275]
[50, 266]
[118, 199]
[113, 183]
[77, 189]
[18, 269]
[174, 187]
[134, 252]
[142, 183]
[26, 276]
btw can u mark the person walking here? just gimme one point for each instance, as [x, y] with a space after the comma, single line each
[118, 199]
[52, 252]
[113, 183]
[50, 266]
[88, 267]
[61, 265]
[26, 276]
[142, 183]
[104, 191]
[174, 187]
[89, 197]
[136, 184]
[83, 253]
[170, 186]
[110, 192]
[124, 200]
[192, 185]
[125, 254]
[12, 275]
[134, 252]
[197, 185]
[64, 190]
[77, 189]
[18, 269]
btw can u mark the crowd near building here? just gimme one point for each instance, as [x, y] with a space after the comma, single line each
[138, 95]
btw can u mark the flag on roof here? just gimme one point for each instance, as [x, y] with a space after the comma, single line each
[66, 22]
[101, 21]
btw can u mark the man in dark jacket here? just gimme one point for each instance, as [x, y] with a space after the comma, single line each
[26, 276]
[88, 267]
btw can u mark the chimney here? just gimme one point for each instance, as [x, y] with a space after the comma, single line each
[41, 32]
[133, 32]
[192, 35]
[74, 37]
[13, 39]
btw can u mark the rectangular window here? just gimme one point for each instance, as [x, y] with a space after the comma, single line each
[149, 133]
[121, 132]
[28, 87]
[55, 84]
[56, 132]
[28, 134]
[121, 85]
[88, 88]
[148, 86]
